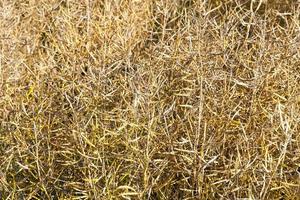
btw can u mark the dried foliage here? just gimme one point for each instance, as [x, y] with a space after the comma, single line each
[149, 99]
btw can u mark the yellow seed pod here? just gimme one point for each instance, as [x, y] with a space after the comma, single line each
[30, 91]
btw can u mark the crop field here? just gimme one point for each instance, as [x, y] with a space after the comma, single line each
[149, 99]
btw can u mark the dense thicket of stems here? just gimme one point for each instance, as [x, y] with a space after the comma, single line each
[149, 99]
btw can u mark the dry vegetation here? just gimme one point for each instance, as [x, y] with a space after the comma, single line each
[149, 99]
